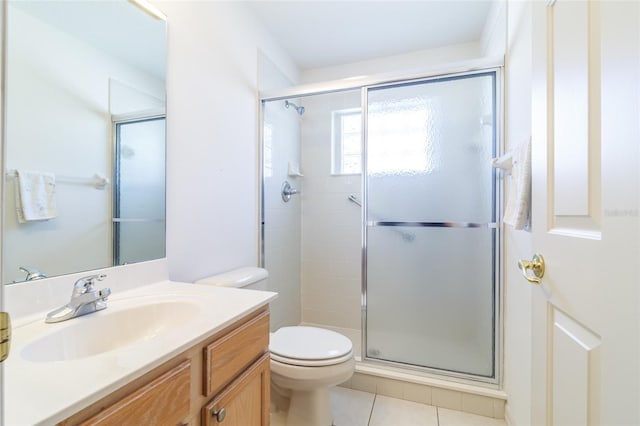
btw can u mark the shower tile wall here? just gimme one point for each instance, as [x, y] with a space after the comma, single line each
[331, 227]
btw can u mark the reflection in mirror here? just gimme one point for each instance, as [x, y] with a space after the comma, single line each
[138, 224]
[85, 137]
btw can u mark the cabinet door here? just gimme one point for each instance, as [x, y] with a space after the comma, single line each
[245, 402]
[228, 356]
[164, 401]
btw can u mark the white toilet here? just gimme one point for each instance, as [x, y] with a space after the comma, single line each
[305, 361]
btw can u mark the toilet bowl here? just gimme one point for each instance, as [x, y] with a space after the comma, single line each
[305, 361]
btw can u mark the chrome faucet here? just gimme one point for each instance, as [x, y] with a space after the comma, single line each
[32, 273]
[84, 300]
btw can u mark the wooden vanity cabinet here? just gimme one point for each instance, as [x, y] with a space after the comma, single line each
[221, 380]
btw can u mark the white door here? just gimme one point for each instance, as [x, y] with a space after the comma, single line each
[585, 160]
[2, 171]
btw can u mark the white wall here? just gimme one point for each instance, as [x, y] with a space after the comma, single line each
[517, 244]
[212, 133]
[494, 35]
[406, 63]
[62, 84]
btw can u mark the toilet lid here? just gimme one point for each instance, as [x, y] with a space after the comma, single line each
[309, 344]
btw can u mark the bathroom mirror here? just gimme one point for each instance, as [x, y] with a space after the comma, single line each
[85, 137]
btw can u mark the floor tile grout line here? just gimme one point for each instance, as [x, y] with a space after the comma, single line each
[375, 395]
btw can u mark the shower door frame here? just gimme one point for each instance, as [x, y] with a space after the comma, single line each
[363, 84]
[116, 122]
[498, 149]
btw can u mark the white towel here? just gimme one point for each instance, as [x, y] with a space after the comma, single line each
[518, 209]
[35, 196]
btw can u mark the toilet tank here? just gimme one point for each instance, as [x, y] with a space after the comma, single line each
[249, 277]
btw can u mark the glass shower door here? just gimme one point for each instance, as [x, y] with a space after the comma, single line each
[430, 228]
[139, 191]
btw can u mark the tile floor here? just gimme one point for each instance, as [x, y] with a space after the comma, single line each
[356, 408]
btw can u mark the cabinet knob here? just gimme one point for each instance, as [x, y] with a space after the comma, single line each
[219, 414]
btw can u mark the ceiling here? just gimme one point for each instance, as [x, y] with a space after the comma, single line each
[318, 34]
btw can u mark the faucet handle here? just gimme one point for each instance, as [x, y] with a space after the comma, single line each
[105, 293]
[85, 284]
[32, 273]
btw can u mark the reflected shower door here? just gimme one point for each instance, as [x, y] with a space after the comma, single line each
[139, 191]
[430, 228]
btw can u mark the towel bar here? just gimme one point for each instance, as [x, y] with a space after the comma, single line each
[98, 181]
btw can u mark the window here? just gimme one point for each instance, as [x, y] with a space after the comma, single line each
[401, 137]
[346, 142]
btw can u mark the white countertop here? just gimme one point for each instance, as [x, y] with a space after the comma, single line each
[46, 392]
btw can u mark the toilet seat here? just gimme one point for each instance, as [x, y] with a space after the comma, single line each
[309, 346]
[311, 363]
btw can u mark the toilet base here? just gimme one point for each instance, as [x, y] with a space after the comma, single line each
[310, 408]
[280, 398]
[303, 392]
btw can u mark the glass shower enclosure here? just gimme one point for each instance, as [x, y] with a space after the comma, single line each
[430, 224]
[392, 237]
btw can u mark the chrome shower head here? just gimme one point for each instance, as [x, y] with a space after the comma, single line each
[299, 109]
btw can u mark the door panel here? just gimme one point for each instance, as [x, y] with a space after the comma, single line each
[574, 363]
[585, 162]
[569, 50]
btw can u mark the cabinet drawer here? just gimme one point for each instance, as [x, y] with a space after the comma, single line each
[245, 402]
[225, 358]
[163, 401]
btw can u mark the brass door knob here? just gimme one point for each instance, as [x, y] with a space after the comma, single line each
[536, 266]
[5, 335]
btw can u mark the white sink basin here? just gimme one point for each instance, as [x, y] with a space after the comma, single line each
[110, 329]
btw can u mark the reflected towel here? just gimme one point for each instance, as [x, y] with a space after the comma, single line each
[518, 209]
[35, 196]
